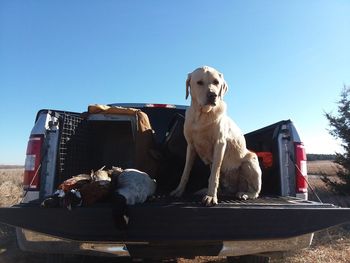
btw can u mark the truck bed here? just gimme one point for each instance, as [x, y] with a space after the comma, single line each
[170, 219]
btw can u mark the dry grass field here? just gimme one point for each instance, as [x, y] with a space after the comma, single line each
[332, 245]
[322, 168]
[10, 186]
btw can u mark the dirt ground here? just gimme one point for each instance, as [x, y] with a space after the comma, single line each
[331, 245]
[11, 191]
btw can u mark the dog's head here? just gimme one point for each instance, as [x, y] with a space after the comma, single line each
[206, 86]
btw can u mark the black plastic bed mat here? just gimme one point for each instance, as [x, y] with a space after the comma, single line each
[165, 219]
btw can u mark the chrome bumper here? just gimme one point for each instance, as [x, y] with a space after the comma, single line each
[40, 243]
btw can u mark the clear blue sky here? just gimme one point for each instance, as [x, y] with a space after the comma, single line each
[281, 59]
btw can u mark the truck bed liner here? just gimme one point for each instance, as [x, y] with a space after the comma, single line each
[169, 219]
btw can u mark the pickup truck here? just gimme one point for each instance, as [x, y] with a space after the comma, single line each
[63, 144]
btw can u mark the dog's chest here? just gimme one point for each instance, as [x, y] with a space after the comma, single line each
[205, 152]
[203, 145]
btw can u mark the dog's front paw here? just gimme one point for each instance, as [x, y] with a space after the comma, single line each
[177, 192]
[242, 196]
[209, 200]
[246, 196]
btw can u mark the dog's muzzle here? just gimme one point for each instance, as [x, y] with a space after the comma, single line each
[211, 98]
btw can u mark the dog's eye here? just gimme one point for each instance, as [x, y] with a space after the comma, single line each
[215, 82]
[200, 83]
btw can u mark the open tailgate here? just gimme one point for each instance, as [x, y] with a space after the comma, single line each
[164, 219]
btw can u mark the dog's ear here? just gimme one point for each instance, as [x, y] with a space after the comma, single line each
[224, 86]
[188, 86]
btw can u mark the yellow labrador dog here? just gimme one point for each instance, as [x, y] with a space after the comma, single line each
[217, 140]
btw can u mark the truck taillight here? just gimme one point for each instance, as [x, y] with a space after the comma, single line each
[154, 105]
[31, 180]
[301, 168]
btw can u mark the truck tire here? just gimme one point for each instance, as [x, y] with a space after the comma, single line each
[248, 259]
[54, 258]
[62, 258]
[158, 260]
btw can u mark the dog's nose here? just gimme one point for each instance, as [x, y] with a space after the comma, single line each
[212, 96]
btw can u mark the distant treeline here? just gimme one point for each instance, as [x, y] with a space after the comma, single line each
[320, 157]
[10, 166]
